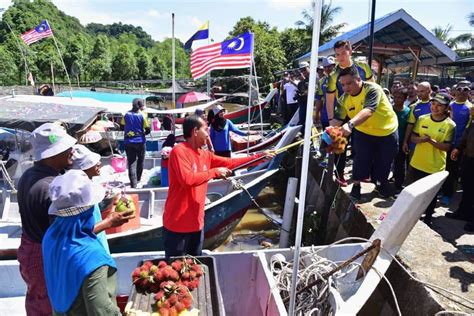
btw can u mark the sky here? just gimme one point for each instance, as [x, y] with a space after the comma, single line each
[154, 16]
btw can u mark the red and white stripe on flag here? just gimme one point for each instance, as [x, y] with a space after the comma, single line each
[33, 35]
[207, 58]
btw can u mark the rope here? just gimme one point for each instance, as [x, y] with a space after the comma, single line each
[7, 177]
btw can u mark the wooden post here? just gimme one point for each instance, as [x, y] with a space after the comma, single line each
[416, 64]
[381, 62]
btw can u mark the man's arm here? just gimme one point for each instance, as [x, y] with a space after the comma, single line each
[218, 161]
[408, 130]
[180, 163]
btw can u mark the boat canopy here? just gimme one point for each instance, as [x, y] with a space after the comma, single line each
[28, 115]
[105, 96]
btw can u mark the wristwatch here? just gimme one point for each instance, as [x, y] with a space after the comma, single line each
[350, 125]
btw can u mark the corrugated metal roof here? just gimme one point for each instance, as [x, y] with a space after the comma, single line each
[393, 34]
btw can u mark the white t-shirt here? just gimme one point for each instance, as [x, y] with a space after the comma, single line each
[290, 92]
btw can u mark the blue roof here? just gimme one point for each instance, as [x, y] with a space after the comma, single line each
[396, 29]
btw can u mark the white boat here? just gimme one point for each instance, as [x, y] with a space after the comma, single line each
[245, 279]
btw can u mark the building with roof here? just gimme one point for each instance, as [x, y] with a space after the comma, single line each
[399, 41]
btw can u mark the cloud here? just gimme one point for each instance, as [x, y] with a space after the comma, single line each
[153, 13]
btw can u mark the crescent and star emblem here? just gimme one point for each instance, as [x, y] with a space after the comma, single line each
[234, 43]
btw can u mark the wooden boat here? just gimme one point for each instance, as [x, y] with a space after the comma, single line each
[245, 280]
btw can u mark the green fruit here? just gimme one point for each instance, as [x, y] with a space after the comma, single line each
[125, 204]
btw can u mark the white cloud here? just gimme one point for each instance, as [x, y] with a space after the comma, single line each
[196, 22]
[153, 13]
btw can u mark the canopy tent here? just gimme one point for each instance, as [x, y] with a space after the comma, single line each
[399, 40]
[110, 107]
[28, 116]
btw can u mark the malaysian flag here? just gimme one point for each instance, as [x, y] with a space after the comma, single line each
[41, 31]
[231, 54]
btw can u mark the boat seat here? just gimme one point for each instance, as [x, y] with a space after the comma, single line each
[212, 197]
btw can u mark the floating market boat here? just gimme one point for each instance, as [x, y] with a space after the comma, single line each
[246, 279]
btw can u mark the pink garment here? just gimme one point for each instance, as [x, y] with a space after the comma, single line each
[31, 269]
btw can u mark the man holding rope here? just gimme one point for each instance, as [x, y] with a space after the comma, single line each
[190, 169]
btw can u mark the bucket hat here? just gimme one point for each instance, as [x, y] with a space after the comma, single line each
[83, 158]
[49, 140]
[217, 109]
[73, 193]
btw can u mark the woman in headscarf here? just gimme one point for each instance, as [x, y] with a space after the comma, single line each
[165, 153]
[220, 132]
[80, 273]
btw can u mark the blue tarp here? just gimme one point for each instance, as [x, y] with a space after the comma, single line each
[105, 96]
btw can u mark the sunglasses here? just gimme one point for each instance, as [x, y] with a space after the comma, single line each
[463, 89]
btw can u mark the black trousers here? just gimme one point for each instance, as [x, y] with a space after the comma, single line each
[180, 244]
[400, 165]
[413, 176]
[135, 157]
[466, 207]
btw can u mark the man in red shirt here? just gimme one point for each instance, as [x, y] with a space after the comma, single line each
[190, 169]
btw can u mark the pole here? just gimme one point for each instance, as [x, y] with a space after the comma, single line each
[371, 36]
[288, 211]
[250, 105]
[52, 75]
[307, 135]
[258, 95]
[209, 73]
[62, 61]
[173, 62]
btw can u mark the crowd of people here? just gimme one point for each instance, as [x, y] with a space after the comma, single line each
[408, 131]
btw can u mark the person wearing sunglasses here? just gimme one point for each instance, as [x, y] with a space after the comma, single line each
[460, 114]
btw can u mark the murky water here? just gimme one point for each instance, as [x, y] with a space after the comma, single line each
[255, 231]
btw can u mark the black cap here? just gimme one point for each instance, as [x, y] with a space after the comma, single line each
[442, 98]
[137, 103]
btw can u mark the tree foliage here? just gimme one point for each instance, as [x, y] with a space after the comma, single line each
[444, 34]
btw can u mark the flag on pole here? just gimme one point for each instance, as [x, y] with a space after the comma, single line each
[231, 54]
[39, 32]
[202, 33]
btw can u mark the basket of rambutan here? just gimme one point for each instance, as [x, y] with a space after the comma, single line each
[178, 286]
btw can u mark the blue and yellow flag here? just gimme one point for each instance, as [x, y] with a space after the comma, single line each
[202, 33]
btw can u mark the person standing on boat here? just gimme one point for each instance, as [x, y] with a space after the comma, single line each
[373, 125]
[220, 132]
[190, 169]
[432, 135]
[136, 126]
[80, 274]
[52, 148]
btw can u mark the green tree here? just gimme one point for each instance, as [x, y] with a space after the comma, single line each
[99, 65]
[158, 68]
[269, 56]
[124, 65]
[328, 30]
[453, 42]
[9, 69]
[292, 44]
[143, 63]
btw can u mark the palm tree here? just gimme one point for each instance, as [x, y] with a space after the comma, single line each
[452, 42]
[470, 18]
[328, 31]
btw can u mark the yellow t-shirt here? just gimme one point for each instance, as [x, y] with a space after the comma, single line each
[384, 120]
[365, 74]
[426, 157]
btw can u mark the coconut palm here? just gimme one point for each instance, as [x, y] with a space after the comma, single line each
[453, 42]
[470, 18]
[328, 31]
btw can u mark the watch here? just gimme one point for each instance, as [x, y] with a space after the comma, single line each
[350, 125]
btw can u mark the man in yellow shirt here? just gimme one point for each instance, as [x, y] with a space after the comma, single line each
[343, 54]
[374, 126]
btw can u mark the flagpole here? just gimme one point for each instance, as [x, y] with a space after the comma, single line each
[61, 57]
[258, 93]
[52, 75]
[173, 62]
[209, 73]
[305, 162]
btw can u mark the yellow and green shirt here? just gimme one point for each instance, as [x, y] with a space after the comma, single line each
[426, 157]
[384, 120]
[334, 85]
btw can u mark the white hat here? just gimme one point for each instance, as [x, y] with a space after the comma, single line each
[327, 61]
[217, 109]
[304, 64]
[49, 140]
[73, 193]
[83, 158]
